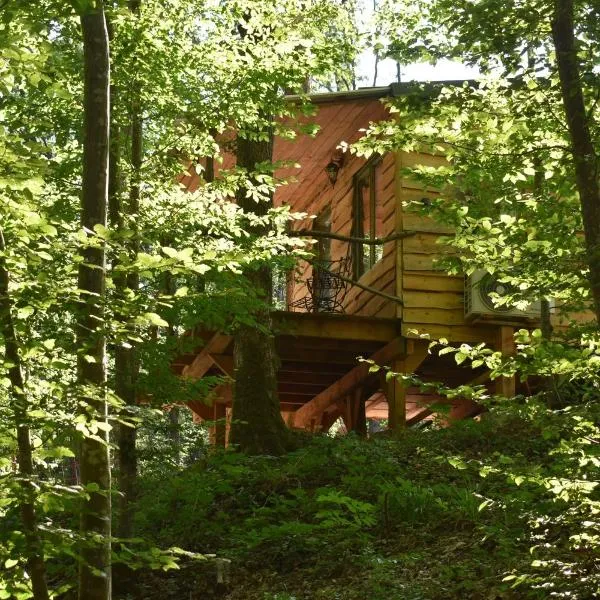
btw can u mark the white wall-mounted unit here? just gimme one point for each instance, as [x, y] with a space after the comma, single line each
[480, 306]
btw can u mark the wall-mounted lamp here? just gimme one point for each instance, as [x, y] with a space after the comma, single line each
[332, 171]
[334, 165]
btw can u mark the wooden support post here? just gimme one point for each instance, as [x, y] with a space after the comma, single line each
[329, 418]
[395, 392]
[220, 425]
[463, 409]
[344, 386]
[395, 389]
[227, 425]
[506, 386]
[357, 401]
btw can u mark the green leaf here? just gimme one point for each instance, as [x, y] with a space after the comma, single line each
[154, 319]
[460, 357]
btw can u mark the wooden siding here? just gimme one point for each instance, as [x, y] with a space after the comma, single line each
[433, 301]
[313, 193]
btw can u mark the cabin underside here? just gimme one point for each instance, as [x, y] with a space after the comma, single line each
[321, 377]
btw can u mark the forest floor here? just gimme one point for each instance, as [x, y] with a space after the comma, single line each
[457, 513]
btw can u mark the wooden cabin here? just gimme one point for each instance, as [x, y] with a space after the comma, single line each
[400, 295]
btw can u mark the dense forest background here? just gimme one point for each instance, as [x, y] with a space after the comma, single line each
[108, 489]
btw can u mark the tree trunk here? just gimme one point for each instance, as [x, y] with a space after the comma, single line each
[123, 218]
[584, 156]
[94, 573]
[257, 426]
[126, 364]
[36, 566]
[168, 288]
[175, 433]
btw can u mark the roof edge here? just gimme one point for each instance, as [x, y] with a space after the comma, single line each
[393, 90]
[359, 94]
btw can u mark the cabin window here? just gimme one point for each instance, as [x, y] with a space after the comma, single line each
[368, 217]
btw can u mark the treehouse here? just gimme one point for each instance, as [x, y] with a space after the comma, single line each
[379, 301]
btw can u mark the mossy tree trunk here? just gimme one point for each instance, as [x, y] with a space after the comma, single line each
[257, 426]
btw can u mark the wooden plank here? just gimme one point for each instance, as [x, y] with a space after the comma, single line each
[322, 379]
[420, 262]
[426, 243]
[375, 304]
[347, 383]
[416, 159]
[335, 326]
[482, 333]
[415, 222]
[399, 215]
[310, 342]
[300, 389]
[367, 303]
[432, 282]
[434, 316]
[319, 356]
[434, 299]
[311, 368]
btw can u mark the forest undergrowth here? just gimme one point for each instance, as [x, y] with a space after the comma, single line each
[498, 509]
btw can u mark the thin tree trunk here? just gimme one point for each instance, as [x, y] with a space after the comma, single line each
[126, 363]
[126, 369]
[174, 427]
[257, 426]
[584, 156]
[94, 573]
[175, 433]
[36, 566]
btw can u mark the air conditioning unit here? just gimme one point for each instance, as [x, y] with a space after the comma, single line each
[479, 304]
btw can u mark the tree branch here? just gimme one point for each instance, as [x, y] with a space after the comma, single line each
[349, 238]
[363, 286]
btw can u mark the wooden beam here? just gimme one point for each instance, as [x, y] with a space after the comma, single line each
[464, 409]
[296, 399]
[346, 384]
[336, 370]
[203, 362]
[322, 379]
[328, 419]
[308, 389]
[223, 362]
[311, 342]
[335, 326]
[414, 416]
[506, 386]
[315, 355]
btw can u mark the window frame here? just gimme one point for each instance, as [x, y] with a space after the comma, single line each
[365, 175]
